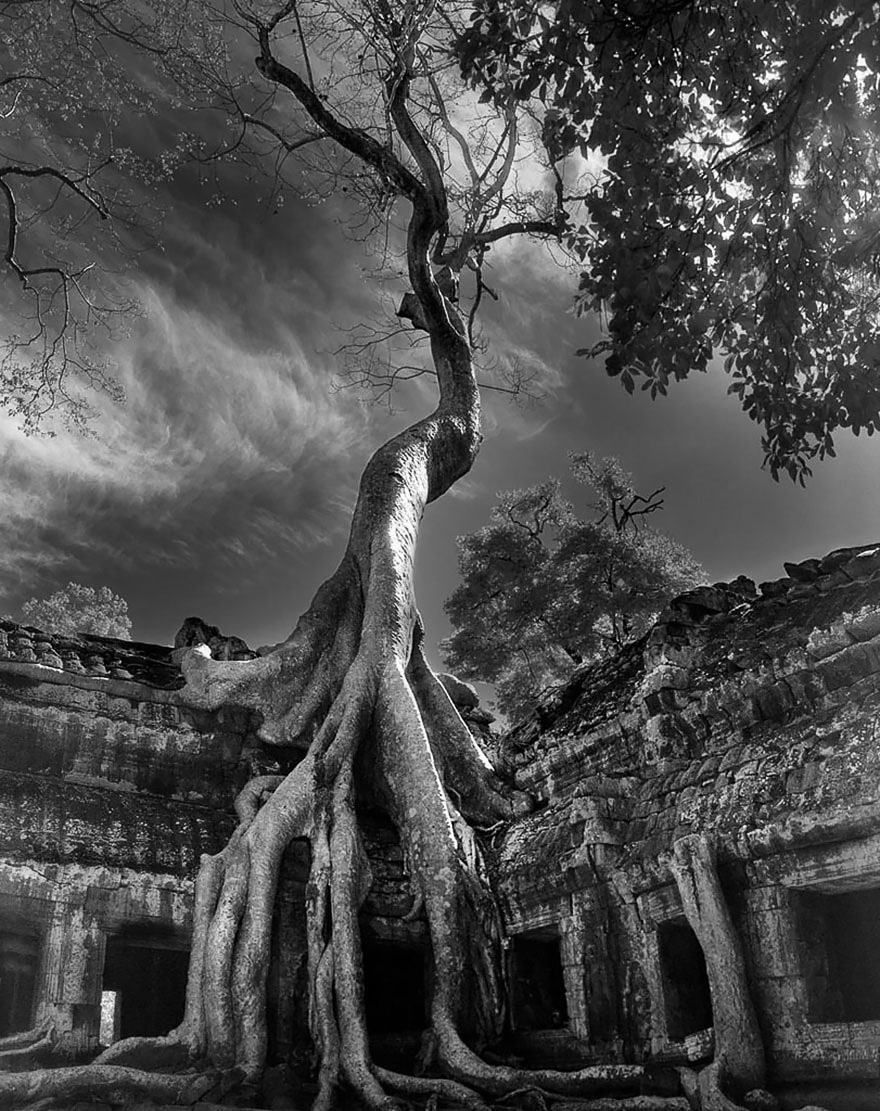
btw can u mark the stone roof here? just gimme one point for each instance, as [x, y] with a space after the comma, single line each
[742, 711]
[86, 655]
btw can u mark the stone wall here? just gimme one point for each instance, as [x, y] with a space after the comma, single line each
[110, 789]
[750, 716]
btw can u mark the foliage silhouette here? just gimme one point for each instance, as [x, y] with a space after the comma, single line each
[736, 156]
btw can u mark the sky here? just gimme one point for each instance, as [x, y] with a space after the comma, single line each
[222, 487]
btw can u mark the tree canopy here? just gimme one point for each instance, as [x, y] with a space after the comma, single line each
[734, 159]
[80, 609]
[713, 165]
[543, 590]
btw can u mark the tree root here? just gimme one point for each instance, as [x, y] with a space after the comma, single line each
[155, 1054]
[712, 1097]
[738, 1038]
[18, 1051]
[448, 1090]
[498, 1080]
[626, 1103]
[26, 1038]
[225, 1015]
[111, 1083]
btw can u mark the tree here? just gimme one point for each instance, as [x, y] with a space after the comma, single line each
[737, 162]
[543, 591]
[80, 609]
[365, 95]
[370, 85]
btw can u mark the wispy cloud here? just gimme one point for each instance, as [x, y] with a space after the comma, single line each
[219, 446]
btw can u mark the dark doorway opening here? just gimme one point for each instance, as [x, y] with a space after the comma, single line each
[686, 994]
[147, 971]
[538, 984]
[19, 956]
[396, 1001]
[394, 985]
[839, 937]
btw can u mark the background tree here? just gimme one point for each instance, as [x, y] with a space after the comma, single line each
[736, 161]
[80, 609]
[543, 590]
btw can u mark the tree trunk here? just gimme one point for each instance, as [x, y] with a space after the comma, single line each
[739, 1046]
[352, 680]
[353, 674]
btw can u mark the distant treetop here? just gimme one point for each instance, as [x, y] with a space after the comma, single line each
[80, 609]
[543, 590]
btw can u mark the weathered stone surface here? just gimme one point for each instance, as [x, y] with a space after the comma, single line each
[194, 632]
[749, 718]
[759, 1099]
[83, 653]
[110, 790]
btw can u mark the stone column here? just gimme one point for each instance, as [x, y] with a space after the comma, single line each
[70, 989]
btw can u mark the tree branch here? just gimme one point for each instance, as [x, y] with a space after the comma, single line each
[95, 201]
[288, 145]
[551, 228]
[352, 139]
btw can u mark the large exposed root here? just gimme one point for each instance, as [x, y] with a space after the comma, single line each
[461, 912]
[709, 1089]
[225, 1019]
[464, 767]
[628, 1103]
[293, 685]
[423, 767]
[450, 1091]
[225, 1016]
[28, 1047]
[25, 1038]
[351, 683]
[113, 1083]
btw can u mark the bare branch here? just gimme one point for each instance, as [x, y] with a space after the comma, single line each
[94, 200]
[501, 178]
[551, 229]
[352, 139]
[287, 144]
[463, 144]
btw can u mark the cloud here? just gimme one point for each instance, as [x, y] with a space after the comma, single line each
[466, 489]
[221, 448]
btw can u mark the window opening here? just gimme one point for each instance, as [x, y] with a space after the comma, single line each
[147, 972]
[538, 984]
[686, 995]
[839, 956]
[19, 955]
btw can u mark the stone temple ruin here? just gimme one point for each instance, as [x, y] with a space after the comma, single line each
[749, 716]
